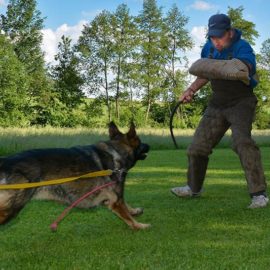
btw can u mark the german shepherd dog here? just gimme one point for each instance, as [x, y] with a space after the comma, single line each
[119, 154]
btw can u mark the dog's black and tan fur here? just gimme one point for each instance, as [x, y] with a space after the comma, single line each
[120, 152]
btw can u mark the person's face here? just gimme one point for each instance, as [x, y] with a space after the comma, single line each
[222, 42]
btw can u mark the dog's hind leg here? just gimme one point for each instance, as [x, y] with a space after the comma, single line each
[134, 211]
[119, 207]
[5, 206]
[11, 202]
[4, 214]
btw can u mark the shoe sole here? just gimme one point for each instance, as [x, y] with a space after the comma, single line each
[186, 196]
[258, 206]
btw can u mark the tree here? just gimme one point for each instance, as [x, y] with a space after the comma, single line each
[263, 88]
[95, 45]
[177, 41]
[68, 81]
[151, 53]
[247, 27]
[23, 25]
[265, 54]
[14, 102]
[124, 43]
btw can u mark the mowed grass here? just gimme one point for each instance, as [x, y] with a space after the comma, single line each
[216, 231]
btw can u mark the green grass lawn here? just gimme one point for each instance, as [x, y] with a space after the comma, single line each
[215, 231]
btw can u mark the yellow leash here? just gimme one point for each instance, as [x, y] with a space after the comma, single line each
[56, 181]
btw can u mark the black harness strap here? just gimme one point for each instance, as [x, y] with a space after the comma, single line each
[210, 56]
[171, 123]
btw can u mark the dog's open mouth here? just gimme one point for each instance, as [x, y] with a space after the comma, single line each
[143, 156]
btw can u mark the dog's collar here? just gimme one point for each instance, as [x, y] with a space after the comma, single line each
[119, 170]
[118, 175]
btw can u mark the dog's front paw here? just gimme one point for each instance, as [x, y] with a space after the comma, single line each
[136, 212]
[141, 226]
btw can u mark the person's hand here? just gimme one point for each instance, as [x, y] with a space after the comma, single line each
[187, 96]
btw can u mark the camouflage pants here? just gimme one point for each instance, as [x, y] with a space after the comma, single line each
[213, 125]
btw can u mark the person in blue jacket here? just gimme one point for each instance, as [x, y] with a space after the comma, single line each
[232, 105]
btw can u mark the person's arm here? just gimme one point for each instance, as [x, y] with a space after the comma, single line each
[192, 89]
[198, 83]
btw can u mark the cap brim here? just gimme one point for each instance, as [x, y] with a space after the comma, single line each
[216, 33]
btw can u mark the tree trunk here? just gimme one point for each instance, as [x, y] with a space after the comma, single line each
[107, 90]
[148, 111]
[173, 63]
[117, 109]
[148, 103]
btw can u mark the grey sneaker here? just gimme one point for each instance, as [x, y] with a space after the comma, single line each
[184, 191]
[258, 202]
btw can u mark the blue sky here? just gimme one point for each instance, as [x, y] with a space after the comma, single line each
[68, 16]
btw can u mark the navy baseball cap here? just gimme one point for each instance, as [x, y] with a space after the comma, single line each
[218, 24]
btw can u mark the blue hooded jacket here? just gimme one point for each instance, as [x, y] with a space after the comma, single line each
[239, 49]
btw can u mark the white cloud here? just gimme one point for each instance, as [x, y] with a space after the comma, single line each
[51, 38]
[198, 36]
[202, 5]
[198, 33]
[3, 3]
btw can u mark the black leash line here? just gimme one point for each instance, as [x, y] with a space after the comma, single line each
[171, 122]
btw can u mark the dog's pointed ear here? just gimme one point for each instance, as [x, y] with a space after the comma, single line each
[132, 130]
[113, 130]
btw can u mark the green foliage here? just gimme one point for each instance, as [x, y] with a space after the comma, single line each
[265, 54]
[247, 27]
[151, 52]
[158, 113]
[68, 81]
[176, 41]
[125, 41]
[123, 67]
[136, 52]
[262, 91]
[14, 83]
[95, 45]
[22, 24]
[262, 120]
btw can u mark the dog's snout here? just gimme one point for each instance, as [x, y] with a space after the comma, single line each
[145, 147]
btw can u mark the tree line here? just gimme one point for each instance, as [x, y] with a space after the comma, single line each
[122, 67]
